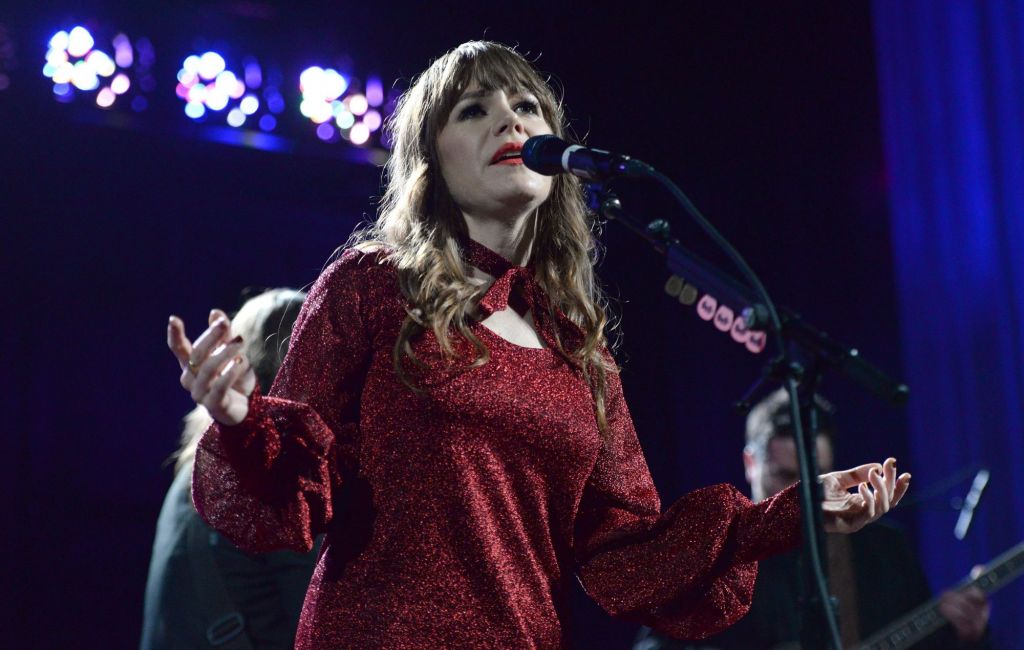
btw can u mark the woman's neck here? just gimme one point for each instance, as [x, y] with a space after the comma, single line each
[512, 239]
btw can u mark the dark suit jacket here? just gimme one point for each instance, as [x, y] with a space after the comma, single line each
[268, 590]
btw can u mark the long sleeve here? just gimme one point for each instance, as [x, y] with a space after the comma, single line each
[688, 572]
[268, 483]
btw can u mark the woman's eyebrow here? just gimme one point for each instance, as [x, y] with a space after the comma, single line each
[476, 94]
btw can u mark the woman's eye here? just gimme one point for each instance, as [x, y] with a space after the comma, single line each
[471, 111]
[528, 106]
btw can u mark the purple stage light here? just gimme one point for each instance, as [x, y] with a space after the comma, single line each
[329, 96]
[374, 91]
[212, 83]
[77, 60]
[325, 132]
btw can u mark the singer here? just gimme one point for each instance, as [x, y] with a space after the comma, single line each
[450, 416]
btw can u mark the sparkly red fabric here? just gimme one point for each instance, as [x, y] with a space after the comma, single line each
[456, 518]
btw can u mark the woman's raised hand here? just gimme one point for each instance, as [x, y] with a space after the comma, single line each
[878, 492]
[214, 369]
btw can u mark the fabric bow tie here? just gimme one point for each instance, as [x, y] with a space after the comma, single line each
[516, 287]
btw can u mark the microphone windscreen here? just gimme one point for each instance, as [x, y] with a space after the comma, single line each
[543, 154]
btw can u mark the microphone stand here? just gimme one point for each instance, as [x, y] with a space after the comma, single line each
[804, 353]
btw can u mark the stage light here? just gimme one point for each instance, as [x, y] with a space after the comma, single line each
[62, 73]
[190, 65]
[105, 98]
[268, 122]
[210, 65]
[345, 120]
[79, 41]
[213, 84]
[120, 84]
[253, 73]
[372, 120]
[123, 55]
[327, 94]
[359, 133]
[77, 61]
[249, 104]
[275, 102]
[357, 104]
[374, 91]
[84, 76]
[216, 98]
[101, 63]
[325, 132]
[59, 41]
[195, 110]
[196, 94]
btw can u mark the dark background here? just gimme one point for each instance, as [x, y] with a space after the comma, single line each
[765, 113]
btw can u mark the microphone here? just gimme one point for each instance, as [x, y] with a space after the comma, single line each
[550, 155]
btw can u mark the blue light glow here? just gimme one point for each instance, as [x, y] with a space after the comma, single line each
[268, 122]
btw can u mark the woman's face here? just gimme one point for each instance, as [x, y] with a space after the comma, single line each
[478, 150]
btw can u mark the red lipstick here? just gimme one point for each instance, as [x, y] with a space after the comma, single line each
[509, 153]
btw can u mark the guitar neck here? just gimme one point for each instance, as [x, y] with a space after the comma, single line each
[922, 621]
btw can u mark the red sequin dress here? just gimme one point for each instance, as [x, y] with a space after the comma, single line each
[457, 517]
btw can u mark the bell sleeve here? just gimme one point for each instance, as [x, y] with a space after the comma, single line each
[268, 483]
[687, 572]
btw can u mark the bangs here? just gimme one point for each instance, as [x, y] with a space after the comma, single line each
[499, 69]
[493, 67]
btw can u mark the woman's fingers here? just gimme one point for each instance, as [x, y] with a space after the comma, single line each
[208, 341]
[224, 401]
[214, 367]
[214, 370]
[177, 341]
[882, 493]
[868, 500]
[233, 371]
[902, 484]
[889, 472]
[853, 477]
[181, 347]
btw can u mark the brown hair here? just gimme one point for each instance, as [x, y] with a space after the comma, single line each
[419, 224]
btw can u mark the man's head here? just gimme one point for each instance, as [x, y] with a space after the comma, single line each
[770, 458]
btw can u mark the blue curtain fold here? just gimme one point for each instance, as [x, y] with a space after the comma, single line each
[951, 78]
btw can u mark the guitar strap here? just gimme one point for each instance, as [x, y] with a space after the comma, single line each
[226, 625]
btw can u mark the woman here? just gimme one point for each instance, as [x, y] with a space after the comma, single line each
[199, 585]
[453, 421]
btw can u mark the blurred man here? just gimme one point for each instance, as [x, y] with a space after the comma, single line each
[770, 463]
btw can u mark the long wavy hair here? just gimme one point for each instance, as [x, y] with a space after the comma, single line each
[419, 224]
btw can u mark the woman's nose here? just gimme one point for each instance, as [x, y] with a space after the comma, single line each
[509, 122]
